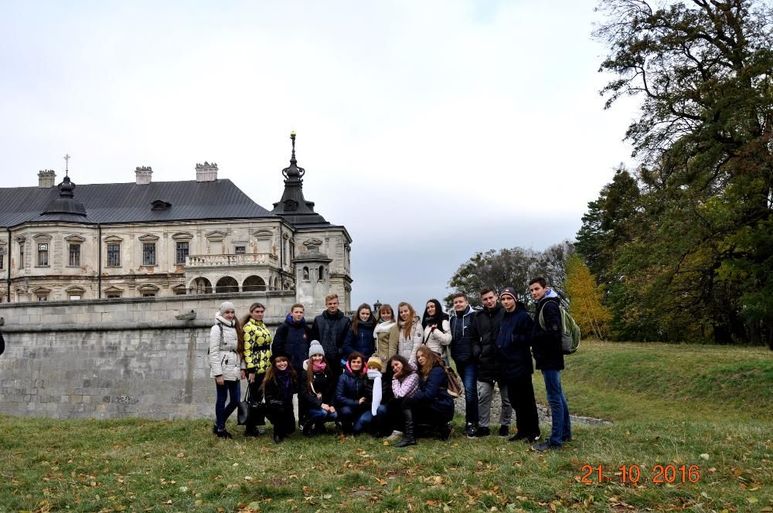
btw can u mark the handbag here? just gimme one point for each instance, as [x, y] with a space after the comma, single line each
[247, 408]
[454, 386]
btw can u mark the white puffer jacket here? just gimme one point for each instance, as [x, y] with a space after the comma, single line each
[407, 347]
[436, 339]
[223, 358]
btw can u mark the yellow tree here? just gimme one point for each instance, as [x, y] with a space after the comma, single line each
[585, 296]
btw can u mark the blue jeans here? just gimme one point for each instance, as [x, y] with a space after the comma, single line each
[561, 430]
[320, 416]
[367, 418]
[222, 412]
[468, 373]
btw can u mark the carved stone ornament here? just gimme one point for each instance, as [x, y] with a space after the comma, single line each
[291, 205]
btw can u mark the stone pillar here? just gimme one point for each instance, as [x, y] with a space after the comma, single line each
[206, 172]
[143, 174]
[46, 178]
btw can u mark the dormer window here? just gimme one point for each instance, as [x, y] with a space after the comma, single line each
[157, 205]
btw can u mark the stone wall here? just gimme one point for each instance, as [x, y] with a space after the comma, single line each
[116, 358]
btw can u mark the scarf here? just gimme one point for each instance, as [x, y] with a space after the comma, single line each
[222, 320]
[383, 327]
[319, 366]
[375, 375]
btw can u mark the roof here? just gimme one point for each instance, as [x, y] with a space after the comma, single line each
[130, 203]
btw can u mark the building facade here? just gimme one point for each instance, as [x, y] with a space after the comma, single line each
[158, 239]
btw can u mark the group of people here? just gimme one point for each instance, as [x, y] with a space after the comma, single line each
[388, 374]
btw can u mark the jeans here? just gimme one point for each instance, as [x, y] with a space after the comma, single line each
[366, 419]
[319, 416]
[468, 373]
[485, 395]
[561, 430]
[230, 389]
[521, 392]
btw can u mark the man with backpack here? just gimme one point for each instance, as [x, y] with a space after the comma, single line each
[549, 356]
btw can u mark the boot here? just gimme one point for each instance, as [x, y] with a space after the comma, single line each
[409, 437]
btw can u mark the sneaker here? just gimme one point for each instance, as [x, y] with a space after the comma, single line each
[470, 430]
[504, 430]
[395, 436]
[223, 434]
[483, 431]
[545, 446]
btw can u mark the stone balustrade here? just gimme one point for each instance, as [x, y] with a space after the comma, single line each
[230, 260]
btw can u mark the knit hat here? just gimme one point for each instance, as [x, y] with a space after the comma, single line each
[225, 306]
[278, 354]
[374, 362]
[509, 291]
[315, 348]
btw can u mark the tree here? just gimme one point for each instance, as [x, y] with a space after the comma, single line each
[700, 261]
[512, 267]
[586, 299]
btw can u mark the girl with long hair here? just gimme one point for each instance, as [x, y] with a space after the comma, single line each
[430, 404]
[437, 330]
[226, 349]
[318, 395]
[409, 333]
[278, 387]
[257, 360]
[360, 336]
[404, 383]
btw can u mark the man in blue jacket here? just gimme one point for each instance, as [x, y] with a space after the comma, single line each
[549, 357]
[465, 350]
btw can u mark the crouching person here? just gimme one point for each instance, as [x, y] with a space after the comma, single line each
[319, 392]
[430, 405]
[278, 386]
[354, 396]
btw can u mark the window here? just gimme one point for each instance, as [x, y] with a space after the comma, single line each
[75, 255]
[240, 250]
[181, 253]
[2, 258]
[75, 297]
[305, 274]
[43, 255]
[21, 255]
[42, 296]
[148, 294]
[112, 295]
[113, 255]
[321, 273]
[148, 253]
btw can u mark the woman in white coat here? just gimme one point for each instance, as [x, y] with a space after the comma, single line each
[409, 333]
[226, 349]
[437, 330]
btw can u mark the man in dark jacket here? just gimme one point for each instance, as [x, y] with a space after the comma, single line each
[330, 328]
[465, 350]
[293, 337]
[550, 360]
[485, 328]
[513, 350]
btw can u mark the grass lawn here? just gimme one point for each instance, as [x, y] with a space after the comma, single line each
[694, 417]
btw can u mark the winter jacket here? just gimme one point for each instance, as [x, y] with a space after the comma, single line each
[437, 338]
[279, 394]
[485, 328]
[513, 344]
[351, 387]
[331, 331]
[362, 342]
[257, 347]
[323, 383]
[407, 346]
[432, 393]
[293, 339]
[463, 348]
[546, 343]
[386, 337]
[223, 358]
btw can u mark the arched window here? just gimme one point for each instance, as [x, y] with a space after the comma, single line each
[253, 284]
[201, 286]
[305, 274]
[226, 284]
[321, 275]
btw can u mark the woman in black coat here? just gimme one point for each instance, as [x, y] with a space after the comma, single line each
[278, 387]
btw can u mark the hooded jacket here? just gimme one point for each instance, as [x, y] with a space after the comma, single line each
[293, 339]
[464, 348]
[223, 358]
[546, 343]
[513, 343]
[362, 342]
[351, 387]
[331, 330]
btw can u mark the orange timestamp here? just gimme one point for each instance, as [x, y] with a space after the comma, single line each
[633, 474]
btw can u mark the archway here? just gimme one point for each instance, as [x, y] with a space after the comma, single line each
[253, 284]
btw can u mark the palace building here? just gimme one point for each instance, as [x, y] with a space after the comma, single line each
[71, 242]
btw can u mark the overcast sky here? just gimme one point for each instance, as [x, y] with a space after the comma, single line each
[430, 129]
